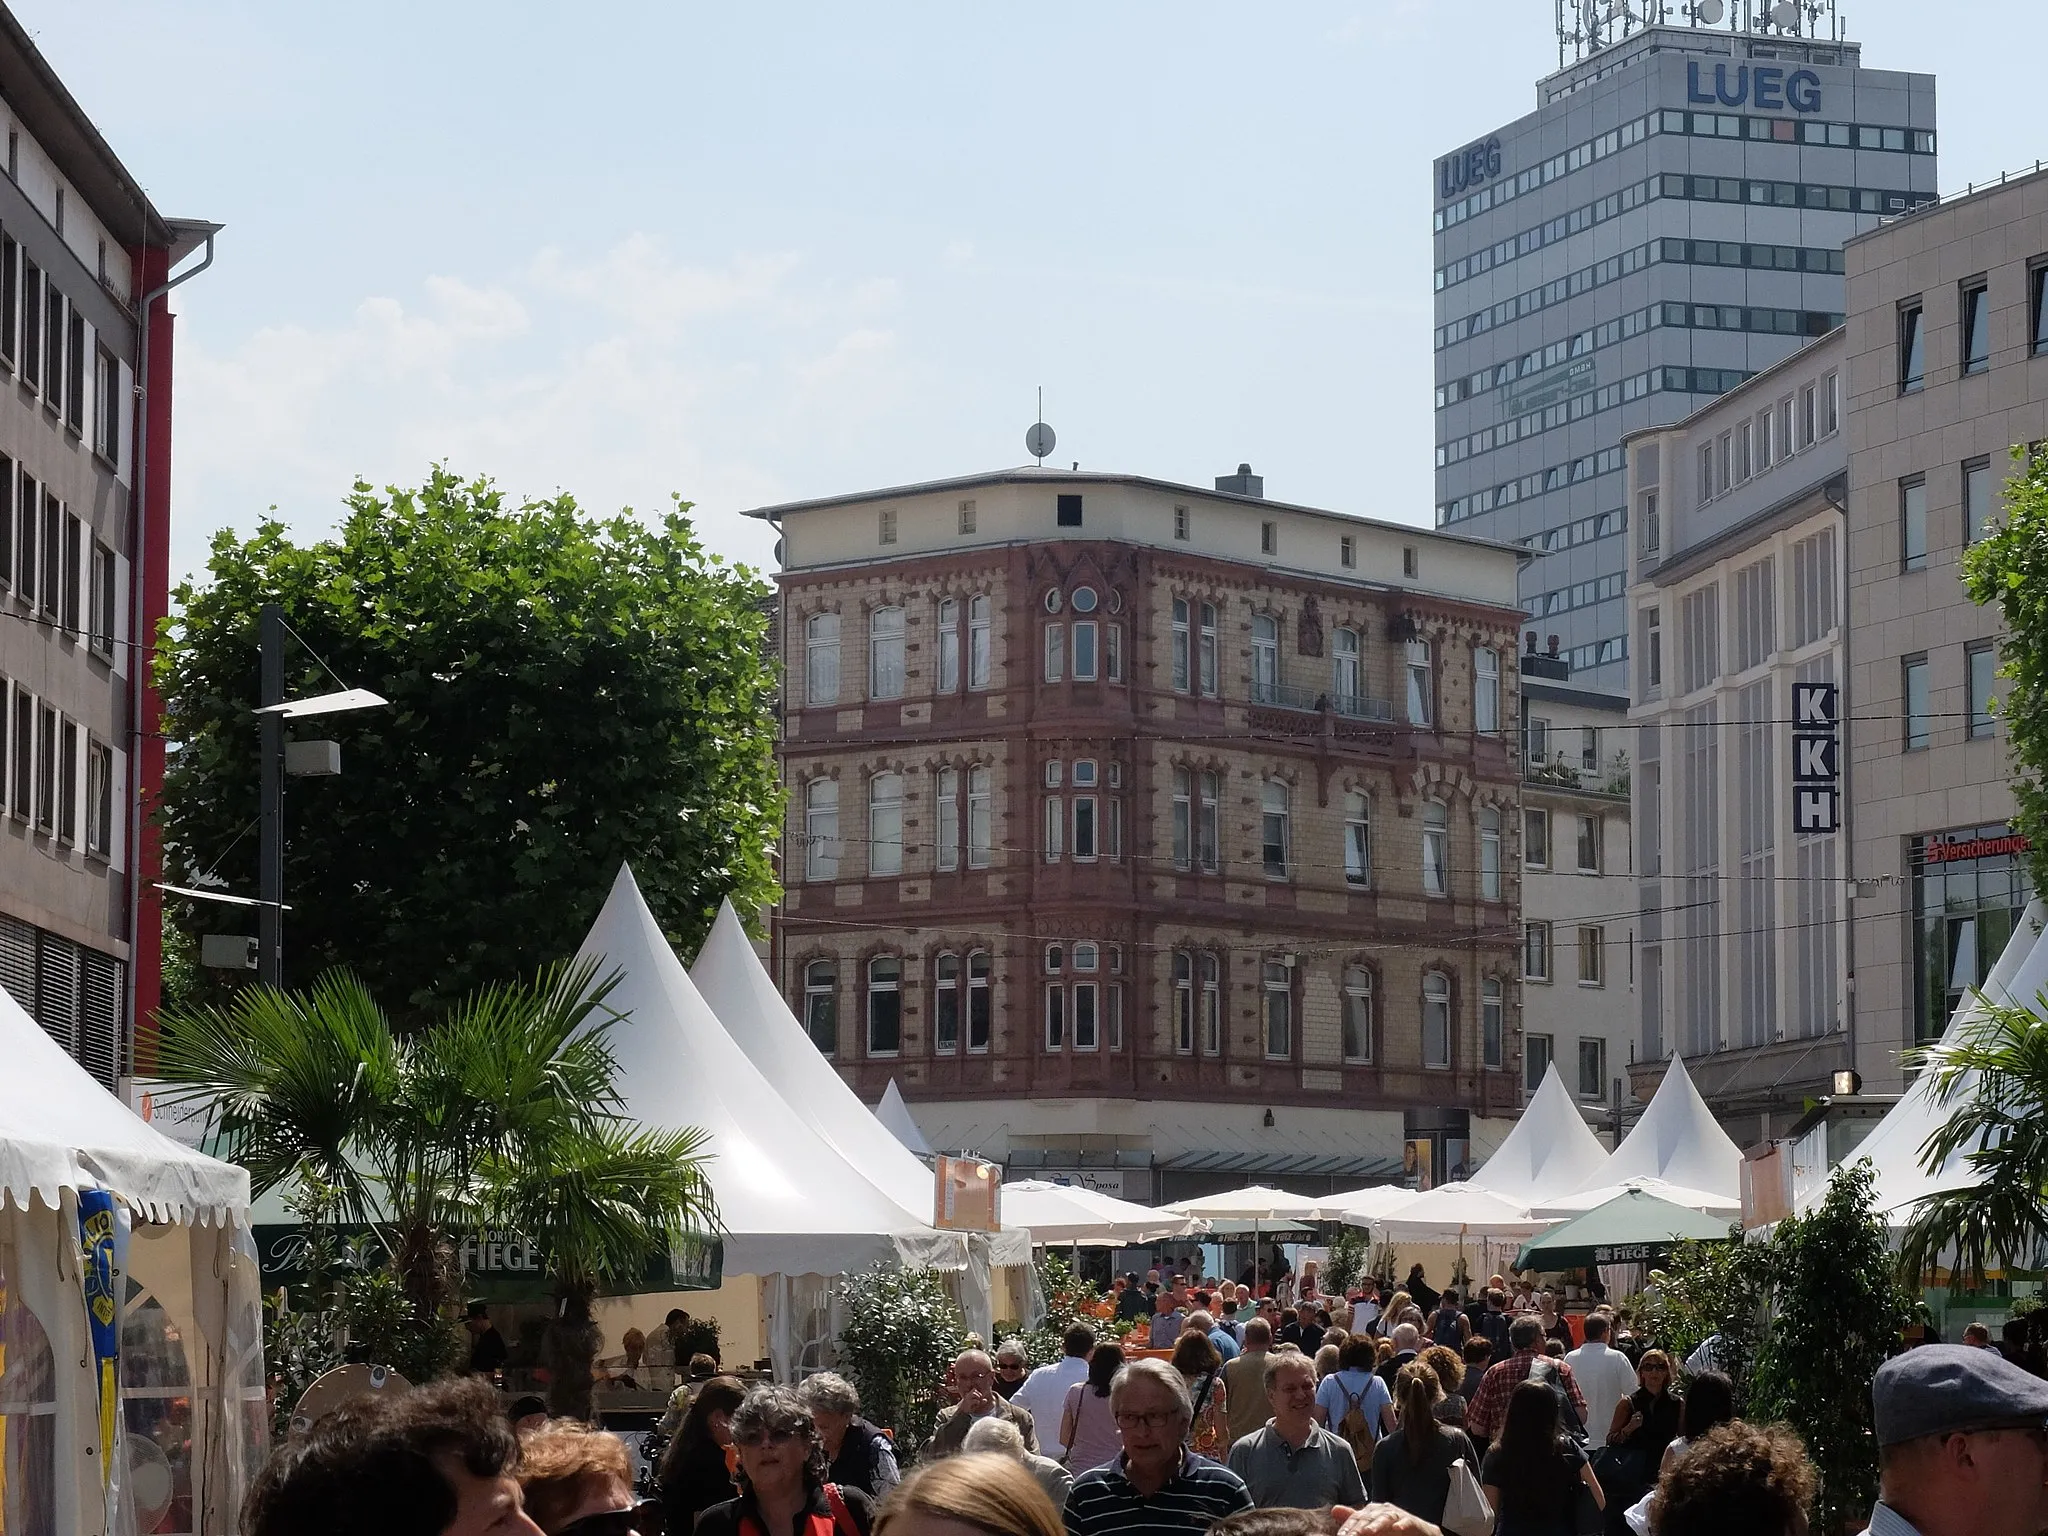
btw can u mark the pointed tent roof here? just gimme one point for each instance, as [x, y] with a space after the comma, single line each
[1678, 1144]
[894, 1115]
[790, 1203]
[59, 1130]
[1550, 1151]
[730, 977]
[1893, 1145]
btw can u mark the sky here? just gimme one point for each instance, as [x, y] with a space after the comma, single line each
[743, 255]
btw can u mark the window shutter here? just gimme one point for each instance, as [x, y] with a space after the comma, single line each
[100, 1017]
[117, 833]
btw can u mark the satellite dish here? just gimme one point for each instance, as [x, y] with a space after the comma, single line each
[1785, 15]
[1708, 11]
[1040, 441]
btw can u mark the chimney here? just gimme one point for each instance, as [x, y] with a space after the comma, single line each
[1531, 638]
[1553, 645]
[1243, 483]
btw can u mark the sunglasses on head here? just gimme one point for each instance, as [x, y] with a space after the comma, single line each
[766, 1436]
[643, 1519]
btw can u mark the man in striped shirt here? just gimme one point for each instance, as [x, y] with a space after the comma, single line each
[1157, 1487]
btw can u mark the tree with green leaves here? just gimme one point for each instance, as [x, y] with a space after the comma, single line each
[1838, 1309]
[565, 693]
[500, 1114]
[1707, 1289]
[902, 1329]
[2008, 567]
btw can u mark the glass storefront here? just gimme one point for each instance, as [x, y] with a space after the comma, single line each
[1970, 886]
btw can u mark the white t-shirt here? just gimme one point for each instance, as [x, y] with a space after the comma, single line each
[1605, 1377]
[1044, 1395]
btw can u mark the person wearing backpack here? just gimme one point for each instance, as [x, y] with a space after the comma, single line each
[1489, 1405]
[1353, 1401]
[1449, 1326]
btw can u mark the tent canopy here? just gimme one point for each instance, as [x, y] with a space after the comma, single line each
[1632, 1228]
[1065, 1215]
[1893, 1145]
[1453, 1211]
[896, 1119]
[789, 1202]
[1255, 1202]
[1362, 1207]
[59, 1130]
[730, 977]
[1550, 1151]
[1677, 1141]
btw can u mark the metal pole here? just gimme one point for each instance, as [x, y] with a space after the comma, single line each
[270, 840]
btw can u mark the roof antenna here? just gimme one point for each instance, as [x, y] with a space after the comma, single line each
[1040, 440]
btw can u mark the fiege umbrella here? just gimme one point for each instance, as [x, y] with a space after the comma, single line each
[1632, 1228]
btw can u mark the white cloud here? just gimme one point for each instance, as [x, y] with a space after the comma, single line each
[622, 378]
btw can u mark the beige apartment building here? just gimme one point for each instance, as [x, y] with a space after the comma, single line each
[1153, 835]
[1578, 889]
[1737, 597]
[1947, 361]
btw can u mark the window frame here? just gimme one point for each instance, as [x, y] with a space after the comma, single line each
[948, 622]
[1538, 1052]
[1918, 733]
[822, 849]
[946, 844]
[1209, 1019]
[1982, 719]
[1538, 959]
[1276, 1009]
[1265, 658]
[1436, 849]
[1208, 669]
[1589, 831]
[821, 655]
[946, 990]
[980, 1002]
[1183, 990]
[827, 992]
[980, 641]
[1486, 690]
[1592, 945]
[1054, 660]
[882, 641]
[1597, 1094]
[981, 849]
[1356, 1039]
[1209, 822]
[1272, 820]
[1493, 1032]
[879, 989]
[1977, 484]
[1438, 994]
[1535, 843]
[1490, 867]
[1974, 319]
[1183, 818]
[1913, 549]
[886, 791]
[1912, 345]
[1357, 839]
[1419, 671]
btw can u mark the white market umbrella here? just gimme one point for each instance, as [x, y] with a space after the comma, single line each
[1067, 1215]
[1364, 1207]
[1710, 1202]
[1255, 1204]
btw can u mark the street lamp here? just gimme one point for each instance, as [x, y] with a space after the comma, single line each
[325, 758]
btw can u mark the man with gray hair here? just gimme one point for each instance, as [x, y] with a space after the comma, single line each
[1407, 1345]
[975, 1376]
[1157, 1486]
[1488, 1409]
[1000, 1437]
[859, 1455]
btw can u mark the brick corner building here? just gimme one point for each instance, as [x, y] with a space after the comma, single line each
[85, 446]
[1152, 835]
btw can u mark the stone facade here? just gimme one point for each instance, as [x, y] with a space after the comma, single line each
[1140, 816]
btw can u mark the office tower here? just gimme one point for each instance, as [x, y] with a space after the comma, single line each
[1666, 223]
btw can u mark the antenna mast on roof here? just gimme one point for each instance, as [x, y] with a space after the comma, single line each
[1040, 440]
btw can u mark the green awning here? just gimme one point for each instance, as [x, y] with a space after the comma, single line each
[1632, 1228]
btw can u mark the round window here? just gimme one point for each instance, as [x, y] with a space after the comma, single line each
[1116, 602]
[1084, 599]
[1052, 601]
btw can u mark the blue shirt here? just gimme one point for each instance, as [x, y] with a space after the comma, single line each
[1337, 1389]
[1225, 1344]
[1886, 1521]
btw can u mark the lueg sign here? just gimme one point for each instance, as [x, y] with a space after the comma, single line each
[1765, 87]
[1468, 168]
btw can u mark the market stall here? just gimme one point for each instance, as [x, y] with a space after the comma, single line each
[796, 1212]
[131, 1341]
[1677, 1151]
[1550, 1151]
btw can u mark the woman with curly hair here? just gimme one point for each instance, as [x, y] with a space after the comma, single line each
[1449, 1366]
[1200, 1364]
[782, 1476]
[1752, 1478]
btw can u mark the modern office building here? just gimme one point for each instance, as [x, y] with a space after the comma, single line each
[1948, 370]
[1738, 603]
[85, 439]
[1152, 835]
[1668, 222]
[1578, 892]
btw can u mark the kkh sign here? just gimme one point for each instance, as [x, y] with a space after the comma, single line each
[1816, 758]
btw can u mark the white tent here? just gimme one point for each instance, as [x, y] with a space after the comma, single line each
[1893, 1145]
[192, 1416]
[1363, 1207]
[1454, 1211]
[897, 1120]
[1550, 1151]
[1255, 1202]
[791, 1204]
[1063, 1215]
[1677, 1152]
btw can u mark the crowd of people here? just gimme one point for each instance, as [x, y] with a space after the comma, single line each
[1475, 1420]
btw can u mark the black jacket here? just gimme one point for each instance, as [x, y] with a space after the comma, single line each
[862, 1455]
[729, 1519]
[695, 1479]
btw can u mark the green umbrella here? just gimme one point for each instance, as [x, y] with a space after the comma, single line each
[1632, 1228]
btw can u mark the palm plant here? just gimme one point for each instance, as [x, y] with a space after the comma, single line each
[502, 1113]
[1991, 1078]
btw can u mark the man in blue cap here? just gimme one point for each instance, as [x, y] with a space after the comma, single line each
[1962, 1440]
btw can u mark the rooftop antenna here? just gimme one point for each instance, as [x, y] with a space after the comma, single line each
[1040, 440]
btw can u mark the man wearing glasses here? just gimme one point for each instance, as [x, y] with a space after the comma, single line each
[1157, 1487]
[1962, 1445]
[975, 1376]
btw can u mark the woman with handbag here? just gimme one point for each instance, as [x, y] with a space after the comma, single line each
[1200, 1364]
[1534, 1471]
[1422, 1463]
[1645, 1422]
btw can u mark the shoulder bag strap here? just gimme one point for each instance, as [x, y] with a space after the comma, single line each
[842, 1517]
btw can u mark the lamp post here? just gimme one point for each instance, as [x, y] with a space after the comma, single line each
[271, 713]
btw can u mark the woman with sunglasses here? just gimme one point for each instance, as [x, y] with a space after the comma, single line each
[783, 1491]
[578, 1481]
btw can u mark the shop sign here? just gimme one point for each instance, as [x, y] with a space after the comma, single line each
[1946, 850]
[1816, 758]
[496, 1266]
[1629, 1253]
